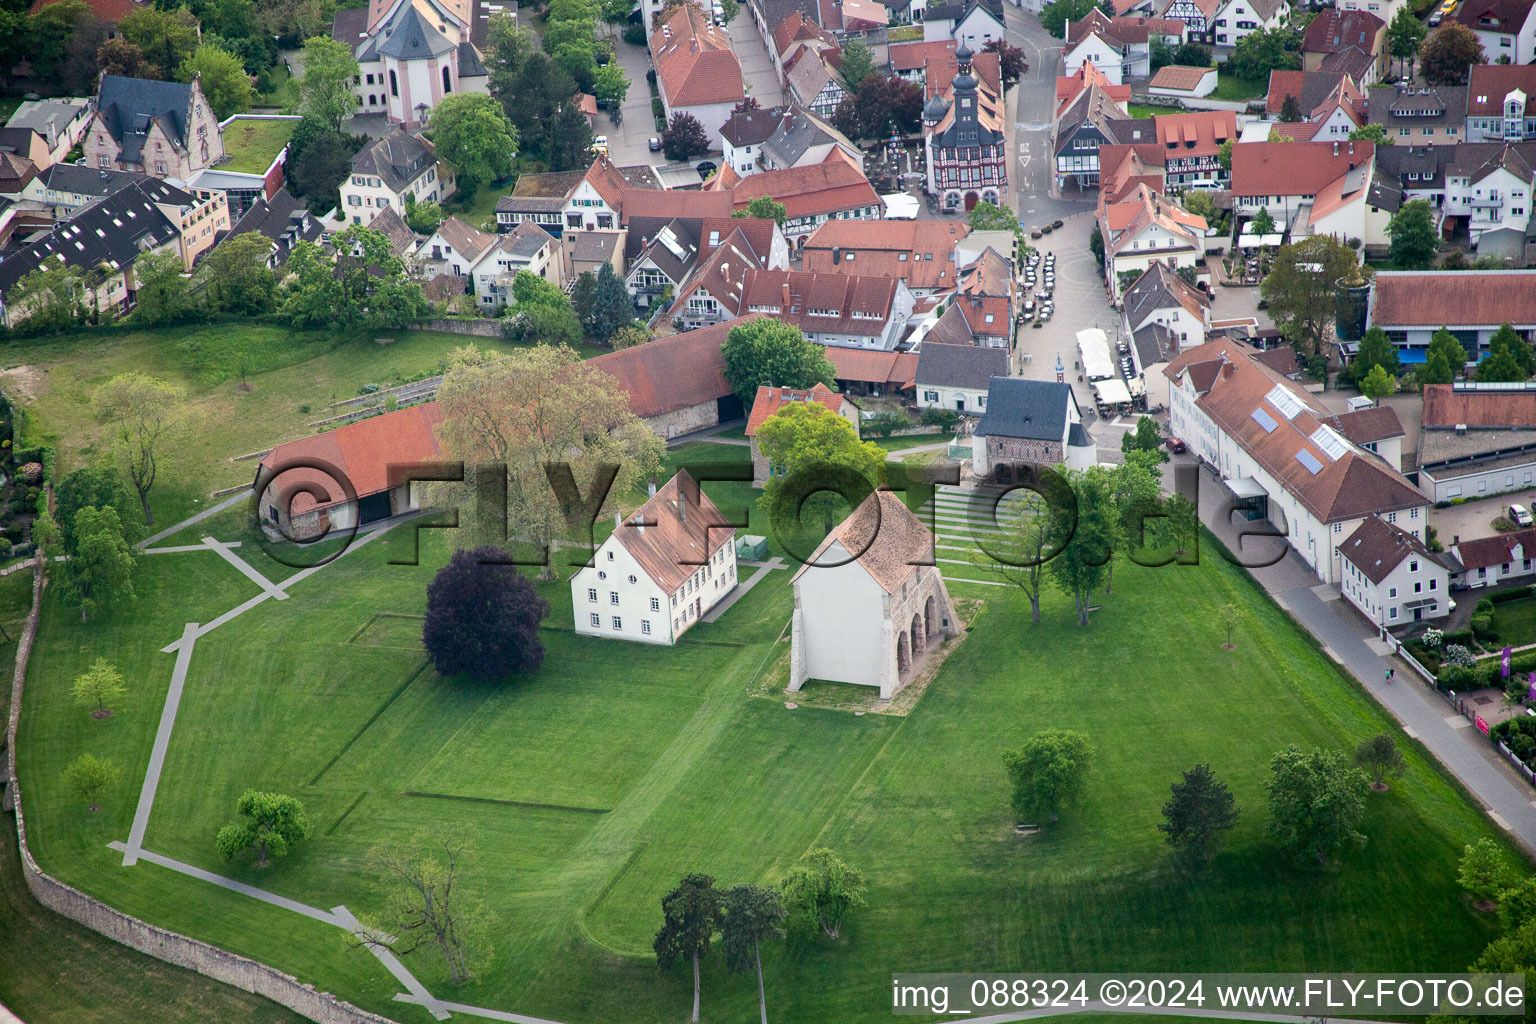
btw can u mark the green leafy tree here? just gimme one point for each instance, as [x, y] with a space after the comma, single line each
[751, 915]
[1025, 551]
[1147, 437]
[319, 160]
[1376, 349]
[1198, 814]
[1445, 56]
[325, 90]
[45, 39]
[691, 916]
[1485, 870]
[144, 417]
[820, 892]
[882, 105]
[1445, 357]
[609, 83]
[612, 306]
[167, 38]
[99, 486]
[1263, 223]
[1316, 803]
[583, 294]
[422, 217]
[985, 216]
[1084, 541]
[629, 337]
[1379, 757]
[1048, 772]
[1412, 229]
[1405, 34]
[50, 299]
[1010, 60]
[1378, 384]
[1055, 16]
[1371, 133]
[163, 295]
[1135, 494]
[1182, 521]
[117, 56]
[1229, 615]
[1302, 289]
[471, 132]
[223, 79]
[807, 441]
[1507, 341]
[99, 573]
[91, 777]
[1258, 53]
[763, 208]
[684, 137]
[858, 63]
[1508, 358]
[1191, 55]
[1224, 156]
[771, 353]
[98, 685]
[1290, 110]
[299, 19]
[233, 276]
[428, 904]
[269, 823]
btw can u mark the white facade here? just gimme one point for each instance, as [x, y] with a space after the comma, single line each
[1237, 19]
[615, 598]
[1500, 199]
[1386, 10]
[944, 396]
[587, 210]
[976, 29]
[1153, 244]
[741, 159]
[1451, 483]
[363, 196]
[1107, 57]
[1415, 581]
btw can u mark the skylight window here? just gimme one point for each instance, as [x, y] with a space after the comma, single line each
[1330, 442]
[1264, 420]
[1309, 460]
[1285, 403]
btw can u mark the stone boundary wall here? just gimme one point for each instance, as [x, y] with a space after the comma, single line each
[171, 947]
[483, 328]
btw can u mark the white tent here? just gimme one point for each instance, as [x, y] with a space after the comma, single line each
[1093, 346]
[1112, 392]
[900, 206]
[1248, 240]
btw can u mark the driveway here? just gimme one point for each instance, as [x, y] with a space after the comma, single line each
[628, 142]
[761, 80]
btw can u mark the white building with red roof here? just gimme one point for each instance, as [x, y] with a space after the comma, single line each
[1501, 103]
[1392, 577]
[1148, 227]
[660, 570]
[696, 71]
[870, 602]
[769, 402]
[835, 189]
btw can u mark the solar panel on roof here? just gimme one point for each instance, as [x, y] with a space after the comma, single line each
[1264, 420]
[1309, 460]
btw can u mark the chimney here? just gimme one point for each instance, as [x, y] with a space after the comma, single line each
[682, 505]
[651, 488]
[1461, 430]
[616, 519]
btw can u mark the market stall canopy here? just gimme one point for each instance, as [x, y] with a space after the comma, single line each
[1112, 392]
[1093, 346]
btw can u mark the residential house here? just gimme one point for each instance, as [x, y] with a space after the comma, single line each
[714, 290]
[743, 136]
[1411, 305]
[870, 600]
[538, 199]
[1328, 103]
[1029, 425]
[454, 248]
[965, 142]
[1119, 47]
[1492, 185]
[830, 309]
[526, 247]
[1191, 144]
[1373, 428]
[1162, 316]
[794, 28]
[1269, 440]
[1070, 87]
[1430, 116]
[16, 173]
[1148, 227]
[812, 78]
[61, 122]
[972, 22]
[411, 54]
[1333, 31]
[661, 569]
[402, 240]
[64, 189]
[283, 221]
[919, 252]
[1506, 28]
[1126, 167]
[26, 144]
[1286, 178]
[1386, 10]
[957, 377]
[985, 299]
[1499, 103]
[388, 170]
[835, 189]
[585, 252]
[165, 129]
[1198, 16]
[770, 401]
[696, 72]
[1476, 440]
[1391, 577]
[1083, 125]
[779, 138]
[1491, 561]
[662, 253]
[1236, 19]
[1183, 83]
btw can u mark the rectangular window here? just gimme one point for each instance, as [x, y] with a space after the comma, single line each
[1392, 614]
[645, 626]
[655, 604]
[597, 620]
[618, 623]
[613, 597]
[591, 593]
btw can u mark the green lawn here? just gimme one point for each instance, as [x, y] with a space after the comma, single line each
[1515, 621]
[480, 211]
[599, 780]
[1142, 110]
[1230, 87]
[284, 371]
[283, 89]
[252, 145]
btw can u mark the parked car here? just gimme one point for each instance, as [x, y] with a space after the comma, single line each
[600, 144]
[1176, 445]
[1518, 515]
[655, 144]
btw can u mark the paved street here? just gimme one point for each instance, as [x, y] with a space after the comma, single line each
[1033, 108]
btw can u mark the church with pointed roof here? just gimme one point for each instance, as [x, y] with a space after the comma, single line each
[411, 54]
[963, 136]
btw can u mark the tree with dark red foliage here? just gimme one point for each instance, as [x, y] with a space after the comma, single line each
[882, 103]
[1011, 58]
[747, 103]
[684, 137]
[483, 617]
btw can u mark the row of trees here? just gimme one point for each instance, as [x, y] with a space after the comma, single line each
[815, 897]
[537, 94]
[1316, 800]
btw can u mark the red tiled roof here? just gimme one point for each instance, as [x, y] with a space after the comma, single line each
[669, 203]
[1334, 30]
[911, 56]
[1447, 408]
[1488, 84]
[1505, 16]
[1196, 133]
[1377, 547]
[770, 401]
[884, 537]
[671, 542]
[694, 62]
[1069, 87]
[1293, 168]
[607, 182]
[895, 369]
[363, 451]
[1484, 552]
[920, 252]
[834, 184]
[1474, 298]
[1180, 77]
[672, 373]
